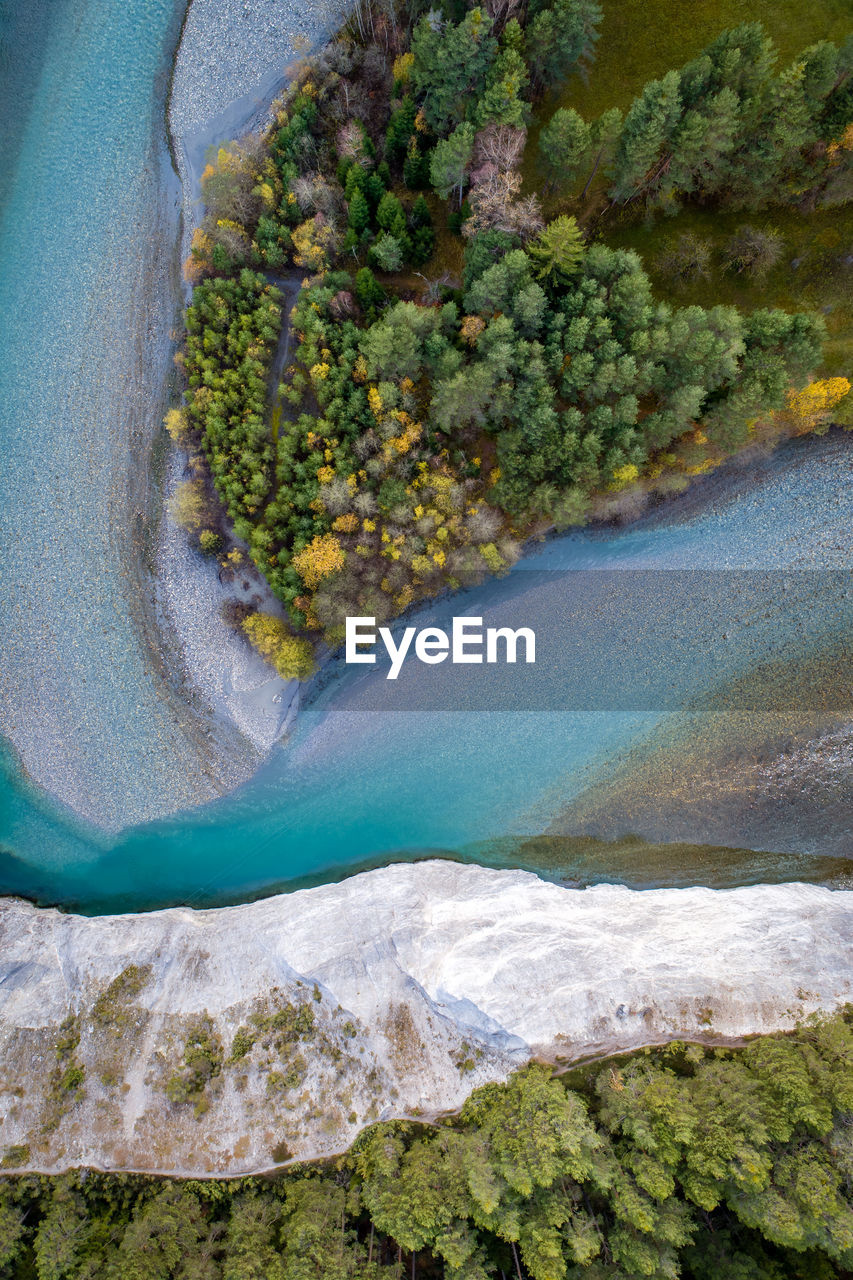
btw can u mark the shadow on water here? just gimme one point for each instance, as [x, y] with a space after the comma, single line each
[573, 861]
[764, 759]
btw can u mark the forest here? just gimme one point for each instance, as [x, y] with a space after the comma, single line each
[467, 371]
[684, 1161]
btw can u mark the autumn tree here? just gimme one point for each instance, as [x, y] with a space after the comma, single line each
[323, 556]
[292, 657]
[811, 410]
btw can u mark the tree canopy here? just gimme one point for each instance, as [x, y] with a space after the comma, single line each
[679, 1163]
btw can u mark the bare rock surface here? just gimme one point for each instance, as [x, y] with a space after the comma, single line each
[231, 1040]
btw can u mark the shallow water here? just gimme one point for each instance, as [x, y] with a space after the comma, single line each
[88, 233]
[362, 782]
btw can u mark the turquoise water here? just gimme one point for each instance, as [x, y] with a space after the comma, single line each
[372, 772]
[87, 244]
[358, 783]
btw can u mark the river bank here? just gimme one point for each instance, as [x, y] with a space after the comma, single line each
[417, 983]
[97, 697]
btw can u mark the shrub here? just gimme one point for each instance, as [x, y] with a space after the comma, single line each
[753, 251]
[685, 258]
[292, 657]
[210, 542]
[187, 504]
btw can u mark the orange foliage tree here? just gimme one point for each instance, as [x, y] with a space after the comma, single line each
[323, 556]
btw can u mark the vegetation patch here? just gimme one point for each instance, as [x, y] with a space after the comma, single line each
[201, 1065]
[112, 1010]
[65, 1086]
[472, 362]
[683, 1162]
[281, 1029]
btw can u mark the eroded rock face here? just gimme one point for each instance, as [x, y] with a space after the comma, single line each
[227, 1041]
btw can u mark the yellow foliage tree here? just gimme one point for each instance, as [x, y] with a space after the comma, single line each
[312, 241]
[292, 656]
[198, 263]
[187, 505]
[623, 476]
[323, 556]
[402, 68]
[810, 410]
[471, 328]
[178, 427]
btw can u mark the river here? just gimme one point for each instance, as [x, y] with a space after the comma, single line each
[641, 630]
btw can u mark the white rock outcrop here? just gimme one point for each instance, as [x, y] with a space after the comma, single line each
[395, 992]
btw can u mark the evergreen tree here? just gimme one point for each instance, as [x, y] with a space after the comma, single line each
[400, 129]
[483, 251]
[450, 160]
[644, 145]
[390, 215]
[559, 249]
[559, 37]
[358, 214]
[564, 145]
[251, 1252]
[368, 290]
[415, 167]
[451, 66]
[503, 101]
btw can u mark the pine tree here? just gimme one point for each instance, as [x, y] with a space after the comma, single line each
[644, 147]
[559, 37]
[502, 101]
[564, 145]
[390, 215]
[401, 126]
[451, 66]
[559, 249]
[415, 167]
[450, 160]
[358, 216]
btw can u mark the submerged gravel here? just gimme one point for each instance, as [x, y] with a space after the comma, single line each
[123, 700]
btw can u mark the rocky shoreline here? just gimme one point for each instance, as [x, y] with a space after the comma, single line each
[394, 993]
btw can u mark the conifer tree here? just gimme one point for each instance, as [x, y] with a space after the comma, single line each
[559, 249]
[564, 145]
[451, 66]
[644, 147]
[450, 160]
[358, 215]
[559, 37]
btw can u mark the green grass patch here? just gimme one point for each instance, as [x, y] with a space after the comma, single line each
[815, 270]
[642, 39]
